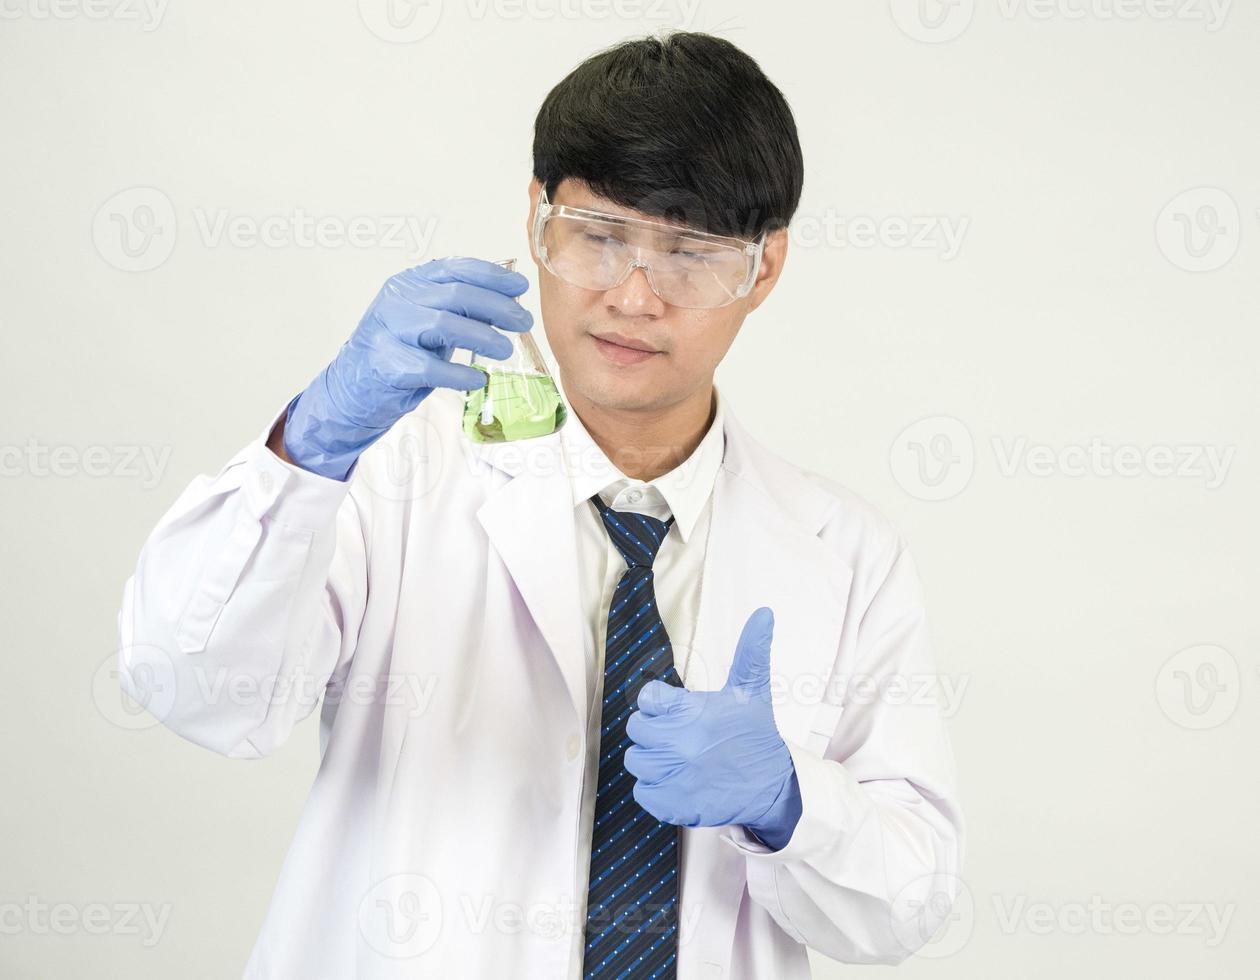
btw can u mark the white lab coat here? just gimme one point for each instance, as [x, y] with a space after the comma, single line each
[438, 593]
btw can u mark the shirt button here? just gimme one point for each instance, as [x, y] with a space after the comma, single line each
[634, 496]
[571, 746]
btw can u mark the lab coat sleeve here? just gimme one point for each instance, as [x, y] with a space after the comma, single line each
[246, 598]
[872, 867]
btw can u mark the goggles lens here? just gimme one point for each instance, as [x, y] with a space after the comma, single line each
[684, 268]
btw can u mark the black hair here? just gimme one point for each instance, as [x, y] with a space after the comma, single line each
[684, 126]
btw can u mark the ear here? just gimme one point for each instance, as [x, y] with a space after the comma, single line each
[533, 190]
[773, 256]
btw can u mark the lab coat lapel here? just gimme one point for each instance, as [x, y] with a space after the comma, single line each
[530, 523]
[763, 550]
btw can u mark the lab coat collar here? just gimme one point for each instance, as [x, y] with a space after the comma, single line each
[545, 458]
[685, 488]
[763, 549]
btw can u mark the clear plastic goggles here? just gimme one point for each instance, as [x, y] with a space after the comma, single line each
[686, 268]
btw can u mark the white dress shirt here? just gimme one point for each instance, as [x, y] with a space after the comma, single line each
[686, 493]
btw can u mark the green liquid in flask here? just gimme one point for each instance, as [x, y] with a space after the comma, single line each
[521, 406]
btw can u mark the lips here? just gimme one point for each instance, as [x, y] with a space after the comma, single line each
[630, 342]
[622, 351]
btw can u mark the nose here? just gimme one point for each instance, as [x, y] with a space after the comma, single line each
[634, 296]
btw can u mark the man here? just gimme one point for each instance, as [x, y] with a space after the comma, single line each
[591, 702]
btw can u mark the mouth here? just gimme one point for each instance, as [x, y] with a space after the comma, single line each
[623, 350]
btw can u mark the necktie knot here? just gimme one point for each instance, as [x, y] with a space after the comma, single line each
[637, 536]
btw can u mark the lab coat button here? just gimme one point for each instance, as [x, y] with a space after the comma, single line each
[571, 746]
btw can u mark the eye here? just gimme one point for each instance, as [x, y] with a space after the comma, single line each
[594, 237]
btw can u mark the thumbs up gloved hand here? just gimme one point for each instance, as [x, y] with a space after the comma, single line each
[712, 758]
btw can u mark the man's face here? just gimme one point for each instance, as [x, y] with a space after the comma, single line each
[685, 345]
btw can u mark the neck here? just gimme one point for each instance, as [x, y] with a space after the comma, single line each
[649, 443]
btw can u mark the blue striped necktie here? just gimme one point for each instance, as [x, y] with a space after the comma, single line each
[632, 902]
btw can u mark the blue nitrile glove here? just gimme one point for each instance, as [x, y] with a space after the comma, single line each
[399, 353]
[713, 758]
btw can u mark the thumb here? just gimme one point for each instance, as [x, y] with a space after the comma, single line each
[751, 666]
[657, 697]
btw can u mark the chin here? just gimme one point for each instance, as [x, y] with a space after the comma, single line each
[611, 390]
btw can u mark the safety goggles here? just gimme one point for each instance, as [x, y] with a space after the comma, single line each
[684, 267]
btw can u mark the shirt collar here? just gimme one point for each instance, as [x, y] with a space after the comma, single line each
[683, 491]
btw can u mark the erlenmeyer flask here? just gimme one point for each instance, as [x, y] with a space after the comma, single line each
[520, 399]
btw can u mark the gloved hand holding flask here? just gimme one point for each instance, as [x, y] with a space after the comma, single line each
[400, 351]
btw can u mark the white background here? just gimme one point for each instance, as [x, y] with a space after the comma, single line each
[1101, 159]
